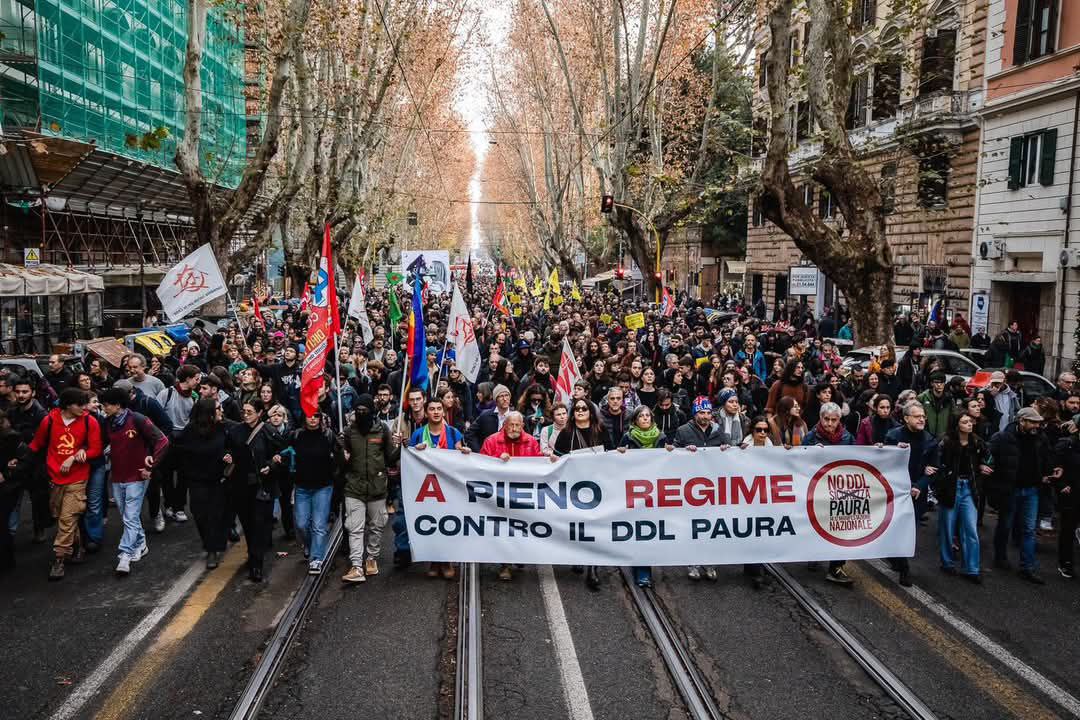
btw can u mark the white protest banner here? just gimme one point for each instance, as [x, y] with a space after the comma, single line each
[191, 283]
[459, 329]
[358, 309]
[652, 507]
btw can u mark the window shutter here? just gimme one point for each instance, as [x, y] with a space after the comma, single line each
[823, 204]
[1016, 162]
[1023, 32]
[1051, 36]
[1049, 155]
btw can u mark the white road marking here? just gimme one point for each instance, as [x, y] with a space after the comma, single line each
[1059, 695]
[89, 687]
[577, 697]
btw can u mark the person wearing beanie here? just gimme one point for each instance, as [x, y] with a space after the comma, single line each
[490, 421]
[940, 407]
[702, 432]
[730, 418]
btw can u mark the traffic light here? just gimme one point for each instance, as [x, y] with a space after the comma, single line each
[607, 204]
[658, 277]
[281, 270]
[620, 273]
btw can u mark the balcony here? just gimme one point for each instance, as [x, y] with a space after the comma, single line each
[945, 112]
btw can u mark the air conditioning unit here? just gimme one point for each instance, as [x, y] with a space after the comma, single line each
[991, 249]
[1070, 257]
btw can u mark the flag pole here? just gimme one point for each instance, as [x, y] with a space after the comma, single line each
[401, 400]
[236, 316]
[337, 381]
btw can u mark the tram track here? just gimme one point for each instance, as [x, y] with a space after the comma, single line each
[469, 674]
[288, 627]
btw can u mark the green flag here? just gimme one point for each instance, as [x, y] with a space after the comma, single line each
[394, 312]
[394, 278]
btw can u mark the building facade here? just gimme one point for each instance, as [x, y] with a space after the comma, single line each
[91, 111]
[913, 116]
[1025, 246]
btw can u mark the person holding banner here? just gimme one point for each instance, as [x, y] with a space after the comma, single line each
[828, 432]
[922, 466]
[510, 442]
[434, 433]
[643, 435]
[702, 432]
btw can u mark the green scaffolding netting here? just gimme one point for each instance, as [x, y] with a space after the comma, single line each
[111, 71]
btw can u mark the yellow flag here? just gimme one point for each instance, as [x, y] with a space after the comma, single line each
[538, 288]
[520, 282]
[515, 299]
[574, 292]
[553, 283]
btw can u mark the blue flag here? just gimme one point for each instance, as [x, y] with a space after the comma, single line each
[417, 343]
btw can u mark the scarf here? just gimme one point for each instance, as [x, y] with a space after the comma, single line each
[645, 438]
[181, 392]
[880, 426]
[117, 421]
[831, 438]
[442, 437]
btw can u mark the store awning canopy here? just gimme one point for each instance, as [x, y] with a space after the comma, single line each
[736, 267]
[19, 281]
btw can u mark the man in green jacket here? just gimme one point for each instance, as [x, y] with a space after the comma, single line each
[939, 406]
[369, 453]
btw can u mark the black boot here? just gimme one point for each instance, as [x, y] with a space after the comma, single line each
[592, 579]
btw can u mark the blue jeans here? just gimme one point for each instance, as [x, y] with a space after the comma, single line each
[129, 498]
[312, 510]
[399, 524]
[961, 517]
[1020, 507]
[93, 520]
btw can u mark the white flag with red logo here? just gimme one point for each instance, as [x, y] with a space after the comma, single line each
[460, 330]
[568, 374]
[191, 283]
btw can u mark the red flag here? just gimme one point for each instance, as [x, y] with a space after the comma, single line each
[258, 310]
[305, 297]
[327, 262]
[667, 304]
[568, 374]
[321, 326]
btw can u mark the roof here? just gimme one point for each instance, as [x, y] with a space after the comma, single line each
[18, 281]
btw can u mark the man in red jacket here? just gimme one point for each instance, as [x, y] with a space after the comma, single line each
[70, 438]
[512, 441]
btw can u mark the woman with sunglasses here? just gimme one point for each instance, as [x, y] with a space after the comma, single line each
[584, 432]
[758, 438]
[643, 435]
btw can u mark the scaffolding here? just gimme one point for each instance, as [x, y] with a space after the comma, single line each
[110, 73]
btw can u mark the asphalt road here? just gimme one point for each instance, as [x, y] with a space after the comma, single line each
[552, 648]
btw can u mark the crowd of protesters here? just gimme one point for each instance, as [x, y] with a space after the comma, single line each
[216, 427]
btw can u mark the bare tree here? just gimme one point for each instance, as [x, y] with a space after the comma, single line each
[857, 257]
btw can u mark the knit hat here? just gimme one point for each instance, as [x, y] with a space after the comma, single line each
[702, 404]
[725, 395]
[500, 390]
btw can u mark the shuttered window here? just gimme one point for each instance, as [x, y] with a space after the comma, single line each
[1032, 158]
[938, 62]
[1036, 29]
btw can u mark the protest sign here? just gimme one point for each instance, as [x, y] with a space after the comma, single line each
[652, 507]
[634, 321]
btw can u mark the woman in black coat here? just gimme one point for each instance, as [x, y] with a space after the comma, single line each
[958, 484]
[204, 446]
[251, 486]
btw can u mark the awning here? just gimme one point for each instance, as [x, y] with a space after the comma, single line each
[736, 267]
[19, 281]
[128, 275]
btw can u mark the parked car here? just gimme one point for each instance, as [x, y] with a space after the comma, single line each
[1032, 385]
[36, 365]
[149, 343]
[955, 363]
[976, 355]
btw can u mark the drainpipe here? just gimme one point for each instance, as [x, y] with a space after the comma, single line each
[1068, 227]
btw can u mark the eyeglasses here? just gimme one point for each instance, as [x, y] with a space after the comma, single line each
[761, 429]
[581, 408]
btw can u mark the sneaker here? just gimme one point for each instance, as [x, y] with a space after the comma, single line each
[371, 566]
[710, 574]
[1031, 577]
[1046, 524]
[169, 514]
[56, 570]
[505, 573]
[694, 573]
[123, 566]
[180, 516]
[314, 567]
[449, 571]
[142, 551]
[838, 576]
[432, 570]
[1066, 572]
[974, 579]
[159, 522]
[78, 556]
[355, 575]
[212, 560]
